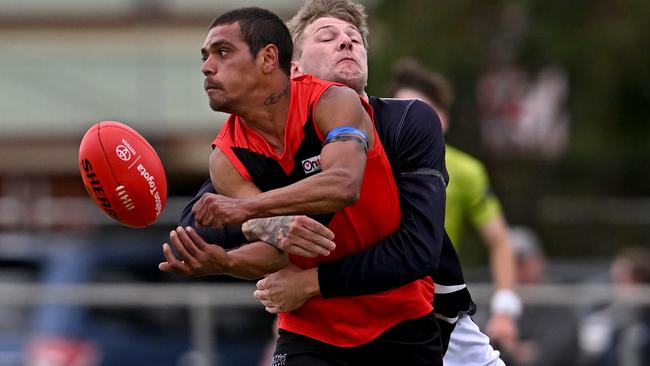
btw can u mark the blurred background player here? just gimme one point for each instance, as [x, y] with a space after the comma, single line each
[469, 198]
[619, 333]
[541, 327]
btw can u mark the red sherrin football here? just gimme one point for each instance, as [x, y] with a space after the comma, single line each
[123, 174]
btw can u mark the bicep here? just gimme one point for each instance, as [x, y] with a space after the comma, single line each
[227, 180]
[340, 107]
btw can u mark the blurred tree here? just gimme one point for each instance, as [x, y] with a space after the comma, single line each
[602, 45]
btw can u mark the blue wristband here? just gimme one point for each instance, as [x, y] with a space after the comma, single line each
[347, 130]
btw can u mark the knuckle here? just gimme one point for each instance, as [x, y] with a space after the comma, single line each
[294, 224]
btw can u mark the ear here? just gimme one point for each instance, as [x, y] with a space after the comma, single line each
[269, 58]
[296, 70]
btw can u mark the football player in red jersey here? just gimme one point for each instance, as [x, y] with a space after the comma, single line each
[276, 126]
[413, 141]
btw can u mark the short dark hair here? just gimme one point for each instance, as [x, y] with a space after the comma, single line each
[260, 27]
[410, 74]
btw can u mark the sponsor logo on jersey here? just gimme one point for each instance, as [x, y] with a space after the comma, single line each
[311, 165]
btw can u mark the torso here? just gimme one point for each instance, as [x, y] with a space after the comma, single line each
[344, 321]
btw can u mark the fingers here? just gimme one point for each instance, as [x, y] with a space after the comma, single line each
[202, 213]
[172, 263]
[316, 227]
[269, 305]
[312, 236]
[305, 243]
[196, 238]
[176, 240]
[169, 255]
[261, 284]
[299, 250]
[261, 295]
[199, 209]
[188, 242]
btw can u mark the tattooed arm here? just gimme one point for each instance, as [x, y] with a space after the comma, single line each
[199, 256]
[298, 235]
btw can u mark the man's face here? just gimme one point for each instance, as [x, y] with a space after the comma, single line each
[332, 49]
[230, 71]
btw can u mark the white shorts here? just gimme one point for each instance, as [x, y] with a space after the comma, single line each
[468, 346]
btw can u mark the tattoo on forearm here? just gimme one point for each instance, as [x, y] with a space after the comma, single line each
[271, 229]
[274, 98]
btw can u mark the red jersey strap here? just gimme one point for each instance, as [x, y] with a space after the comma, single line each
[306, 90]
[224, 143]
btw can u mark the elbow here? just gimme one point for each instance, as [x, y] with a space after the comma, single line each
[347, 188]
[349, 197]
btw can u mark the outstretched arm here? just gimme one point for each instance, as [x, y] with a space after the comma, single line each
[202, 259]
[299, 235]
[505, 305]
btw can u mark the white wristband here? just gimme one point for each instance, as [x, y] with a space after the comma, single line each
[506, 301]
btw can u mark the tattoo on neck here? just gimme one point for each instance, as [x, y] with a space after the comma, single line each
[274, 98]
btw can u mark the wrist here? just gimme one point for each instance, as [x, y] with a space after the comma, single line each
[229, 264]
[248, 208]
[311, 287]
[505, 301]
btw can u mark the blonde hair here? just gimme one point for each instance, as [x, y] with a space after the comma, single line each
[345, 10]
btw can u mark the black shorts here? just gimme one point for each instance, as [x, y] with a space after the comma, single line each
[409, 343]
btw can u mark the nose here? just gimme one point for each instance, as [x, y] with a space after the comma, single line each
[345, 43]
[207, 68]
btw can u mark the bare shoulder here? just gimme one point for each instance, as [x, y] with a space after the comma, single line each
[340, 92]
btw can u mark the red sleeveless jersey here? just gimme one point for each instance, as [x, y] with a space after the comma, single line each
[341, 321]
